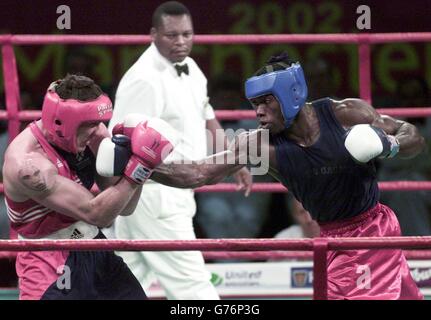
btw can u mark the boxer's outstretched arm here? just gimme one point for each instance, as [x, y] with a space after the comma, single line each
[351, 112]
[36, 177]
[215, 168]
[196, 173]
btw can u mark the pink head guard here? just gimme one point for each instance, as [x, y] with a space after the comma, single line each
[61, 118]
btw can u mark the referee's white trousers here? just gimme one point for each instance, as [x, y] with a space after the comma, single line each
[166, 213]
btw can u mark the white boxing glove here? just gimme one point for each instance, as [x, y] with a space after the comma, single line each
[113, 155]
[365, 142]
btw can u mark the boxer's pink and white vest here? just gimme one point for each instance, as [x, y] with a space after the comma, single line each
[31, 220]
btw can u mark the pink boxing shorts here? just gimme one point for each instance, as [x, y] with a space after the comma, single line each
[369, 274]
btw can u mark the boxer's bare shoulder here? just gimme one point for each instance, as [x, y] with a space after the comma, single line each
[26, 169]
[24, 143]
[352, 111]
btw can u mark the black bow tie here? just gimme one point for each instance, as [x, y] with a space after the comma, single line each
[182, 68]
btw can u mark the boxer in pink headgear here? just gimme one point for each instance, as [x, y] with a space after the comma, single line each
[61, 118]
[49, 170]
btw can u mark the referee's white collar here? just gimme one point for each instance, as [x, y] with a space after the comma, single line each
[163, 63]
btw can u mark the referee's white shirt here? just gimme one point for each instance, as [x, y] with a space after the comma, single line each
[152, 87]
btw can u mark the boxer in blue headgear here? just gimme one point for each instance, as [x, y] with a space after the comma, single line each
[285, 81]
[324, 153]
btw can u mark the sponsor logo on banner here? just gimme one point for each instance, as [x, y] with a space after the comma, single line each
[231, 278]
[216, 279]
[279, 278]
[244, 278]
[422, 276]
[302, 277]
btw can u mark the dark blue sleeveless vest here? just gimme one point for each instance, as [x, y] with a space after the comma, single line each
[330, 185]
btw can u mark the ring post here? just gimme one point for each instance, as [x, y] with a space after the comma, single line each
[320, 273]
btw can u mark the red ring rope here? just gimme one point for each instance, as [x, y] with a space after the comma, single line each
[279, 188]
[218, 244]
[366, 38]
[264, 255]
[30, 115]
[287, 255]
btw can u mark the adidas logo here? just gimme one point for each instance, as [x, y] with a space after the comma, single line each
[76, 234]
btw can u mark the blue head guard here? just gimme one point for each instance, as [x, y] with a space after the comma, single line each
[287, 85]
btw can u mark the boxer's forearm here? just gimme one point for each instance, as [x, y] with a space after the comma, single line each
[131, 206]
[411, 141]
[115, 200]
[197, 173]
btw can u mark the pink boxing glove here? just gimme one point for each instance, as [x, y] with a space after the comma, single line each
[152, 141]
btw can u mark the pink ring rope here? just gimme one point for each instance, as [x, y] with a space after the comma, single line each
[30, 115]
[217, 244]
[287, 255]
[319, 246]
[238, 255]
[366, 38]
[264, 255]
[279, 188]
